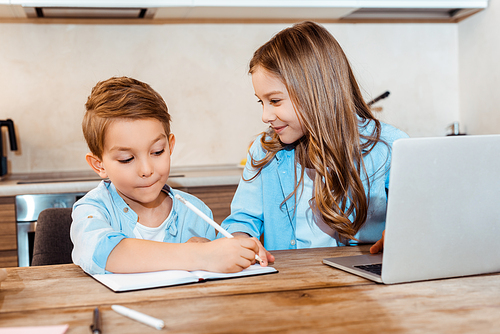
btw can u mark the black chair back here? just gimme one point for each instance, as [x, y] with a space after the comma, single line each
[52, 241]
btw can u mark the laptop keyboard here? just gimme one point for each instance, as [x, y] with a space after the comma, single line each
[375, 268]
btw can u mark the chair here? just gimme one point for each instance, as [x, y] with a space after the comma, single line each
[52, 241]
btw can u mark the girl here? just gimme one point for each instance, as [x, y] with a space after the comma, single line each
[318, 177]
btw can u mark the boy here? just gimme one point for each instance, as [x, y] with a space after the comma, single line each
[130, 222]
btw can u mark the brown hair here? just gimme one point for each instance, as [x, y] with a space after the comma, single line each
[120, 98]
[327, 99]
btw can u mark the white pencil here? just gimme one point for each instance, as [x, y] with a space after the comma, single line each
[138, 316]
[208, 220]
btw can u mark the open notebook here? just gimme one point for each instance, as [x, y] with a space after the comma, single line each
[129, 282]
[443, 212]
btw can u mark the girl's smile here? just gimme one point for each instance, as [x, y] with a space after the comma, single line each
[278, 129]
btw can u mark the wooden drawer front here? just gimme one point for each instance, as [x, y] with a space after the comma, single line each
[8, 238]
[8, 258]
[8, 224]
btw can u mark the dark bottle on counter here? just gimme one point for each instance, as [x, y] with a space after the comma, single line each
[13, 143]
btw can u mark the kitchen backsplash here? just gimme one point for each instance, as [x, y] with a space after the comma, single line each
[48, 70]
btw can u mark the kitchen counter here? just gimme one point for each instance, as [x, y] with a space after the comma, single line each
[83, 181]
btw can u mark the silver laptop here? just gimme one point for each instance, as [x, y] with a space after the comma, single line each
[443, 212]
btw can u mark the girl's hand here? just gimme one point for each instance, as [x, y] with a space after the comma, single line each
[378, 246]
[228, 255]
[263, 253]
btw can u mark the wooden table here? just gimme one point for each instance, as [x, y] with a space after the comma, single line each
[306, 296]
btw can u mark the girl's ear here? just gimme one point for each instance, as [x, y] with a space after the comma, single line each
[96, 165]
[171, 142]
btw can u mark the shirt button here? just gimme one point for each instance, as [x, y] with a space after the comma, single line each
[292, 242]
[125, 210]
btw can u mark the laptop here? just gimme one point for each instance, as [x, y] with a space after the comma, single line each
[443, 212]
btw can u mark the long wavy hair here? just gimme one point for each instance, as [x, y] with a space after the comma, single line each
[328, 101]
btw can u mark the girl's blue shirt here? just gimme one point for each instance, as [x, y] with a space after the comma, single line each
[101, 219]
[257, 207]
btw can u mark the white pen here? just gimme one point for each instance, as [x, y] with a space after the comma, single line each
[138, 316]
[208, 220]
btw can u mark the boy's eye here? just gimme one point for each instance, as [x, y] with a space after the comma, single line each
[125, 161]
[159, 152]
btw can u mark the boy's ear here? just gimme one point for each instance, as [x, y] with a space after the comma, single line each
[171, 142]
[96, 165]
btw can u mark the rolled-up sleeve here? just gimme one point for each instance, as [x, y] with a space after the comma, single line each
[93, 238]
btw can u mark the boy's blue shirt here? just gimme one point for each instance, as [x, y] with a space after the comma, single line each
[257, 205]
[101, 219]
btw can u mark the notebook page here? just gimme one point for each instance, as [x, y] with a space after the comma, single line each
[126, 282]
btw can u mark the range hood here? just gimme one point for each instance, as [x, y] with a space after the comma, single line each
[88, 13]
[444, 10]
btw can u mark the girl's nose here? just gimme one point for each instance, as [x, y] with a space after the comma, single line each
[267, 114]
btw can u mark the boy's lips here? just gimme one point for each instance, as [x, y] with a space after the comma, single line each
[148, 185]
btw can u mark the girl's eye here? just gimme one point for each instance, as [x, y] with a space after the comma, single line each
[126, 161]
[259, 101]
[275, 101]
[159, 152]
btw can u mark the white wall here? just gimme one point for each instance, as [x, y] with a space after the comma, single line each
[479, 46]
[48, 70]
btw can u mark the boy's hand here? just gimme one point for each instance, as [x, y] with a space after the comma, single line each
[229, 255]
[378, 246]
[263, 253]
[198, 240]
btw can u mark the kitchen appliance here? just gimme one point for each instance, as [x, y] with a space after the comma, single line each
[28, 207]
[13, 143]
[450, 10]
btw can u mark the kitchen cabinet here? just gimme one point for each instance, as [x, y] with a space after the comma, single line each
[8, 239]
[259, 10]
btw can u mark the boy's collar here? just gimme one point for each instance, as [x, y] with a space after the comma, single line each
[168, 190]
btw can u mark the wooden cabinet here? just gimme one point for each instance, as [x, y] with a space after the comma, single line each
[8, 239]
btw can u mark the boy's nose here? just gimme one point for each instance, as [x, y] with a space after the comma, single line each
[145, 174]
[146, 169]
